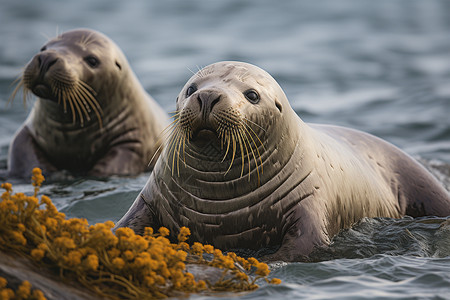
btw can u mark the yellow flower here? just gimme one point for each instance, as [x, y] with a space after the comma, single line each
[201, 285]
[163, 231]
[181, 255]
[92, 262]
[51, 223]
[242, 276]
[128, 255]
[24, 290]
[6, 294]
[124, 232]
[253, 261]
[7, 186]
[37, 177]
[18, 237]
[148, 232]
[262, 269]
[3, 283]
[138, 243]
[228, 262]
[37, 254]
[73, 258]
[65, 242]
[113, 253]
[197, 248]
[118, 263]
[184, 233]
[109, 224]
[21, 227]
[43, 246]
[208, 249]
[275, 281]
[38, 295]
[149, 281]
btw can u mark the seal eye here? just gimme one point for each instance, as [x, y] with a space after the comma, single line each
[191, 90]
[92, 61]
[44, 48]
[252, 96]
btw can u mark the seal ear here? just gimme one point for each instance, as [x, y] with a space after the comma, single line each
[118, 65]
[278, 105]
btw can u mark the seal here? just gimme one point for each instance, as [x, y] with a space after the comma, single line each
[243, 171]
[92, 115]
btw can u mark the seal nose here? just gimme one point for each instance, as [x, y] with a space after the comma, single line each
[207, 100]
[46, 60]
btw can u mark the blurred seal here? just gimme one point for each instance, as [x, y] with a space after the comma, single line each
[92, 115]
[243, 171]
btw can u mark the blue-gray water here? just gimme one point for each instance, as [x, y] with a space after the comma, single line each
[378, 66]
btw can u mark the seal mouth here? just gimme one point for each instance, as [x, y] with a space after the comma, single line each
[204, 136]
[43, 91]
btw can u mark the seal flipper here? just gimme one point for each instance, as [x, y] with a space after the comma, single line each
[307, 233]
[24, 155]
[137, 217]
[121, 160]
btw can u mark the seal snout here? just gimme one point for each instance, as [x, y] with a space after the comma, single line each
[46, 60]
[207, 100]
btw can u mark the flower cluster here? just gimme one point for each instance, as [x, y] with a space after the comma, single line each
[121, 265]
[23, 291]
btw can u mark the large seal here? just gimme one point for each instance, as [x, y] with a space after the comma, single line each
[242, 170]
[92, 115]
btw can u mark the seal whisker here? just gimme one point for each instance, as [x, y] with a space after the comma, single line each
[162, 140]
[261, 143]
[92, 95]
[246, 135]
[82, 102]
[77, 106]
[225, 137]
[245, 127]
[257, 125]
[91, 101]
[242, 150]
[170, 143]
[66, 97]
[174, 145]
[233, 139]
[179, 142]
[241, 137]
[20, 84]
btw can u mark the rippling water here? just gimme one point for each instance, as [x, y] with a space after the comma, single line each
[378, 66]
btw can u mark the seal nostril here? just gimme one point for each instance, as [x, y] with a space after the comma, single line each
[200, 102]
[52, 63]
[214, 102]
[46, 61]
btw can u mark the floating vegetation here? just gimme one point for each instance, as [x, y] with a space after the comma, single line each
[118, 266]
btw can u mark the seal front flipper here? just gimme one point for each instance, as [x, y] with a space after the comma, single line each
[119, 160]
[138, 216]
[306, 233]
[24, 155]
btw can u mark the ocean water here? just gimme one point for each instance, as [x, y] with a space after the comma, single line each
[378, 66]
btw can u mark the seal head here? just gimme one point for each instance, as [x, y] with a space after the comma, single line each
[91, 115]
